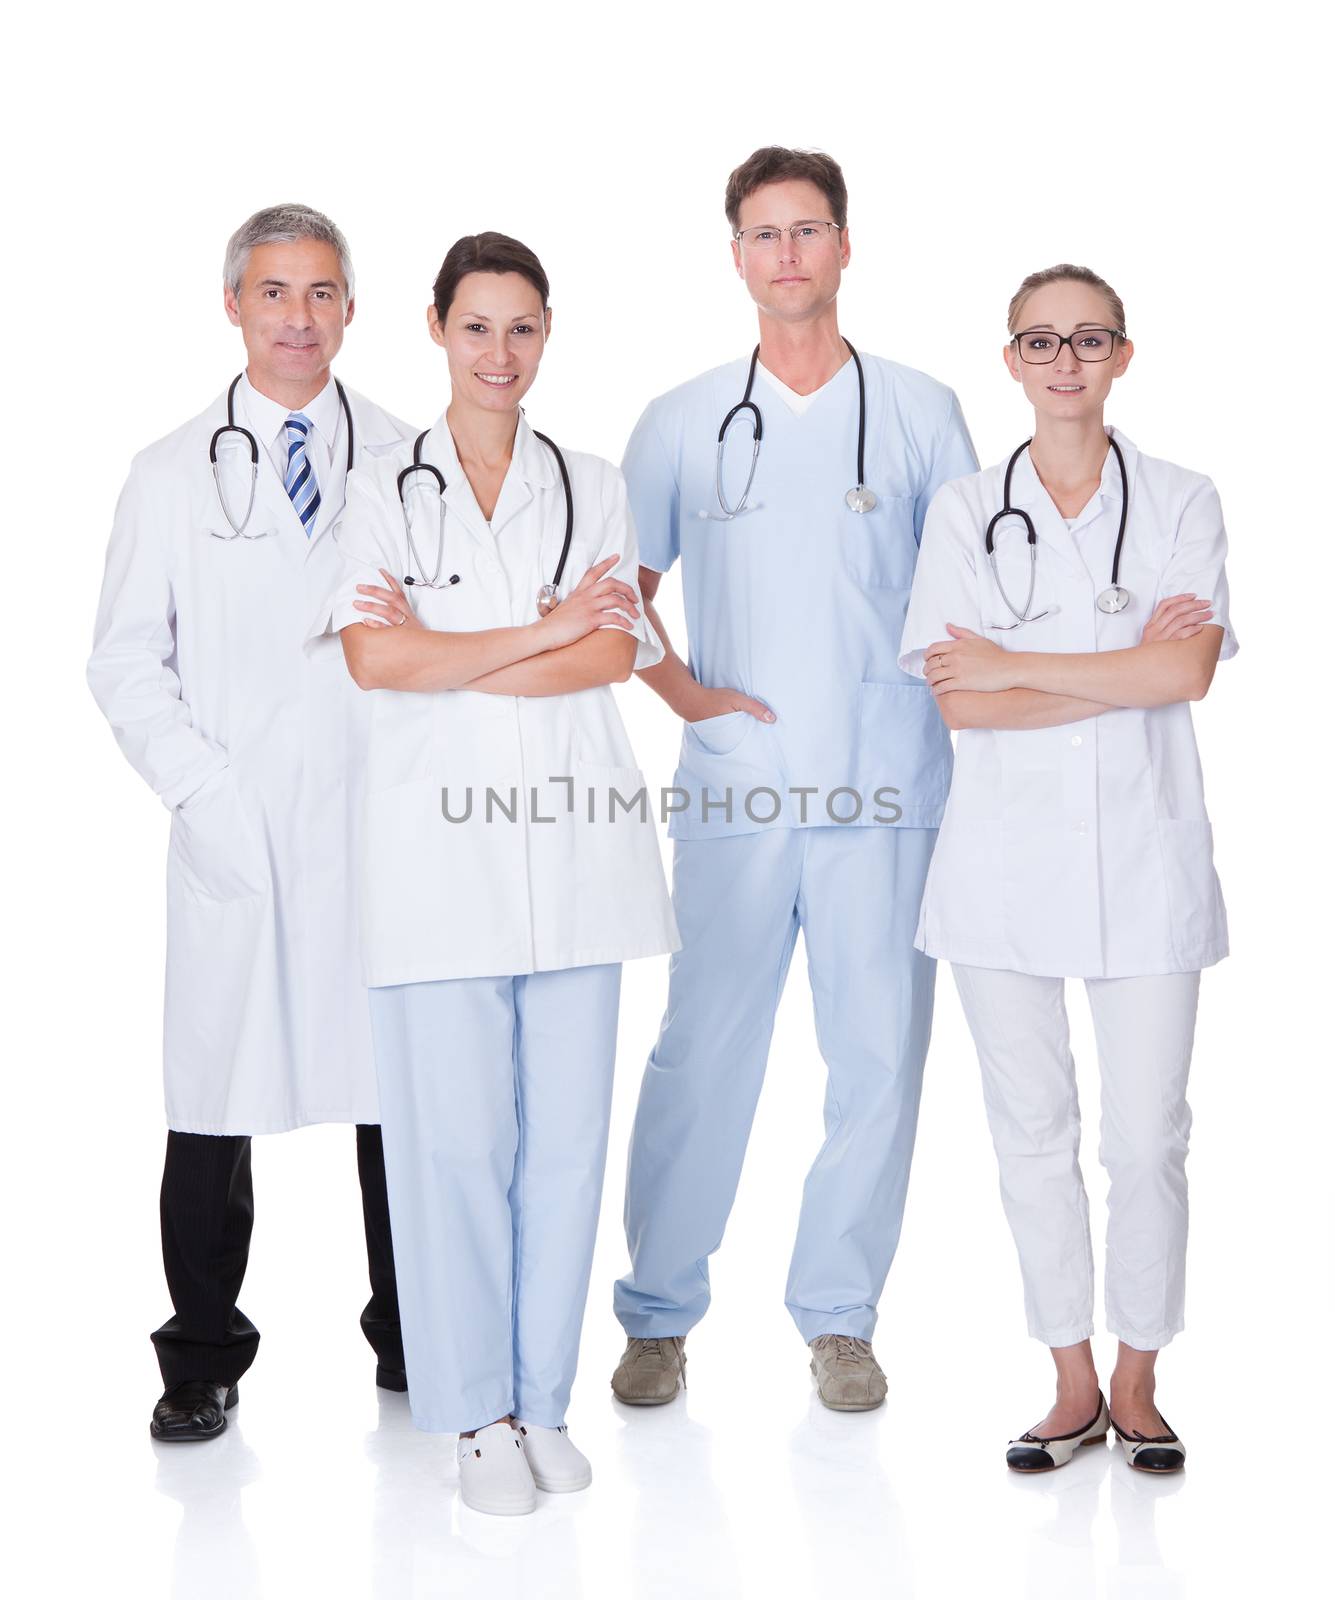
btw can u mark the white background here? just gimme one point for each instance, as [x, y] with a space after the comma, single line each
[1182, 151]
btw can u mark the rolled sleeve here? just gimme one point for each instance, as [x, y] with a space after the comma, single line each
[1196, 565]
[945, 584]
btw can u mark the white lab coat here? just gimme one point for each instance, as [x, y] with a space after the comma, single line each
[259, 754]
[1082, 850]
[501, 892]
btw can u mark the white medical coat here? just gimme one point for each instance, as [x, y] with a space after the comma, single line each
[1082, 850]
[198, 664]
[495, 843]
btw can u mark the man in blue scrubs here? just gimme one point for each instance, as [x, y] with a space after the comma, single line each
[812, 779]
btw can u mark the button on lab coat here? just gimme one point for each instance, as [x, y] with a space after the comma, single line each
[800, 601]
[198, 664]
[1082, 850]
[482, 856]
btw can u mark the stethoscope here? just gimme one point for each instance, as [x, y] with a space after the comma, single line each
[859, 497]
[1112, 600]
[547, 594]
[232, 426]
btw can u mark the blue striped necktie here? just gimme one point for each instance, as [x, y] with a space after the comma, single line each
[299, 480]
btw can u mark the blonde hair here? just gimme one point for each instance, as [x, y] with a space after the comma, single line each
[1066, 273]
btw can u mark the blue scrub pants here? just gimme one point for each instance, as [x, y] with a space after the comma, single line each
[854, 891]
[495, 1095]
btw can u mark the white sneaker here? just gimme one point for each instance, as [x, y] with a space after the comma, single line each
[556, 1465]
[493, 1473]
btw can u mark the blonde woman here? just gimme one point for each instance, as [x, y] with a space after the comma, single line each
[1069, 605]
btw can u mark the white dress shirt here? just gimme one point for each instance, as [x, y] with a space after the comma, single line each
[326, 444]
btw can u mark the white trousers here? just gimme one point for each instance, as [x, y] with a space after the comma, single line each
[1143, 1028]
[495, 1095]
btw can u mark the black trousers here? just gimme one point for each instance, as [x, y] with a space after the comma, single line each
[208, 1208]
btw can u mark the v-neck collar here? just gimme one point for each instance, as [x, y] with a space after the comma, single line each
[799, 404]
[783, 393]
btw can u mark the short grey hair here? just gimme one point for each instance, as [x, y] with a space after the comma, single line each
[283, 225]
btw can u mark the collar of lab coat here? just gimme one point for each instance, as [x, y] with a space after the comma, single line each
[532, 471]
[373, 430]
[1027, 491]
[267, 419]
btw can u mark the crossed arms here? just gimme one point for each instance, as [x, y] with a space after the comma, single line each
[584, 642]
[977, 684]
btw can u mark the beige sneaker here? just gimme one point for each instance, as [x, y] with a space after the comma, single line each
[848, 1377]
[650, 1372]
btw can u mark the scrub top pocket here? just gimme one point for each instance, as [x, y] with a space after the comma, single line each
[903, 745]
[880, 550]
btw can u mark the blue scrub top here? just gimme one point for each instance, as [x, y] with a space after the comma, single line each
[800, 601]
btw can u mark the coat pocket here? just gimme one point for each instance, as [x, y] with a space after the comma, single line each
[214, 852]
[1195, 902]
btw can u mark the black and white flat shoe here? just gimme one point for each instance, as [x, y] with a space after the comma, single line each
[1033, 1453]
[1165, 1452]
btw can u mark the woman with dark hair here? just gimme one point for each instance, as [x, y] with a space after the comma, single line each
[490, 596]
[1069, 604]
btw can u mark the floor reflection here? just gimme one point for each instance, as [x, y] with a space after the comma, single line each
[851, 1523]
[679, 1542]
[425, 1543]
[214, 1554]
[1140, 1570]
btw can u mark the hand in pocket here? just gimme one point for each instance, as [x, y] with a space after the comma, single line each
[214, 850]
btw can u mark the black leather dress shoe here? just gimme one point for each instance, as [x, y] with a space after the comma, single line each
[196, 1409]
[394, 1378]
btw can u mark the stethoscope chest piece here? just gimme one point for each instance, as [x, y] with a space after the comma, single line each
[547, 599]
[860, 498]
[1110, 601]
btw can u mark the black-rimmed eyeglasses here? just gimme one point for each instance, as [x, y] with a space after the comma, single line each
[1038, 346]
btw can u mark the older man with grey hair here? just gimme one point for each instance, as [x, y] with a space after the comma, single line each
[224, 544]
